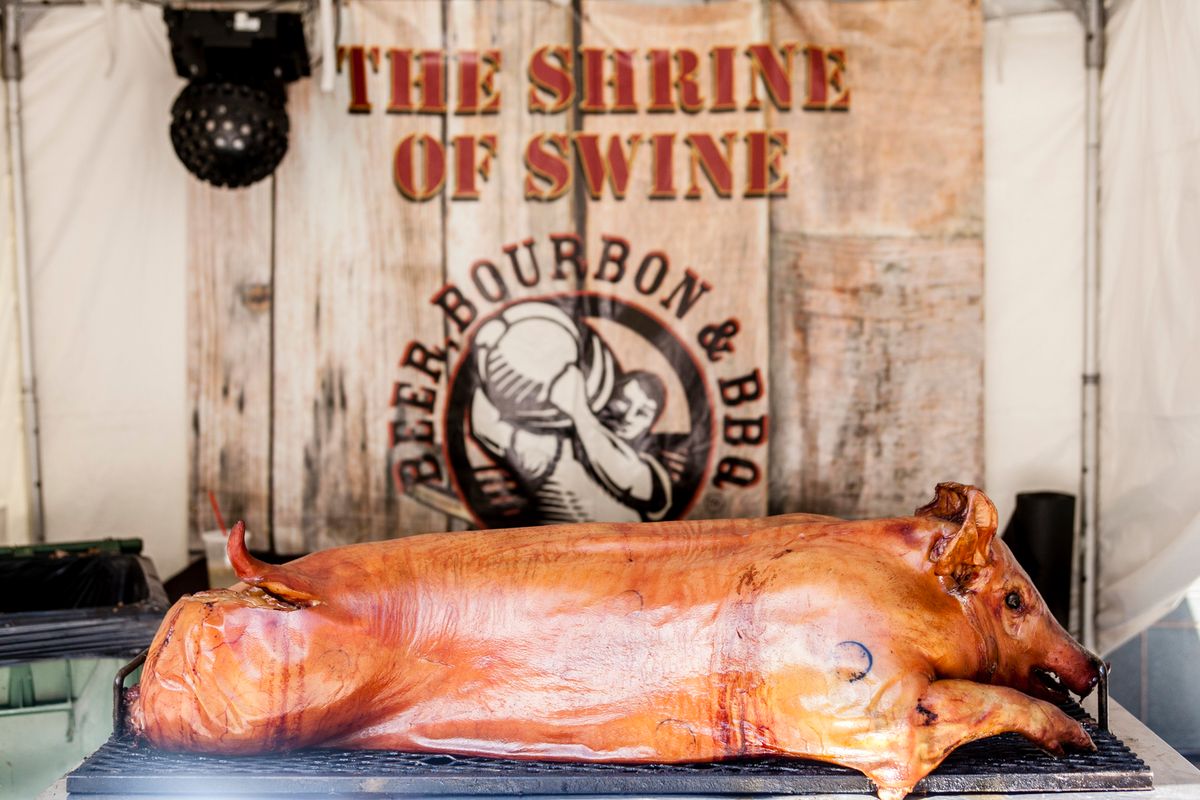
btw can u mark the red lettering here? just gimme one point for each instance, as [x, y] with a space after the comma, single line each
[400, 76]
[432, 82]
[723, 88]
[592, 79]
[717, 167]
[404, 166]
[622, 81]
[477, 92]
[358, 56]
[777, 77]
[817, 95]
[764, 164]
[660, 81]
[466, 168]
[690, 98]
[546, 166]
[663, 166]
[615, 167]
[550, 78]
[593, 82]
[837, 81]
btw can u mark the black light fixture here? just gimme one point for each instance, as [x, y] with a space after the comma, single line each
[229, 125]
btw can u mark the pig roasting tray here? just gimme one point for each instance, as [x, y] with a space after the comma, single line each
[1006, 763]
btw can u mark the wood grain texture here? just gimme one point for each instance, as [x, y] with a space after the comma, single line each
[858, 294]
[479, 230]
[229, 352]
[907, 158]
[723, 240]
[877, 263]
[879, 344]
[356, 265]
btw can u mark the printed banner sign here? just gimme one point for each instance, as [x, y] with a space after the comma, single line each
[626, 404]
[537, 262]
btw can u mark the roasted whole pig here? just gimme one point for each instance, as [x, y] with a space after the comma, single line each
[881, 645]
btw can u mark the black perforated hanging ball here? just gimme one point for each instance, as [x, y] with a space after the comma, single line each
[230, 134]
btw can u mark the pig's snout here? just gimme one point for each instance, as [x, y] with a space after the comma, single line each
[1092, 676]
[1078, 670]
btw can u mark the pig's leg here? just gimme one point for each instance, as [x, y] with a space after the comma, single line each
[954, 712]
[951, 713]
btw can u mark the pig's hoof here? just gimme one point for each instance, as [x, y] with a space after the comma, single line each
[893, 793]
[1068, 734]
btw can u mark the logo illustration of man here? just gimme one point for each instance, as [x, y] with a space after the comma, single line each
[553, 404]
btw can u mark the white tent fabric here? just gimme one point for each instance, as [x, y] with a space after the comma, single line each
[1033, 93]
[106, 205]
[14, 490]
[1150, 285]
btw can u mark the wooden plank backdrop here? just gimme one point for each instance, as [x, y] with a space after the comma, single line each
[725, 240]
[877, 265]
[229, 355]
[355, 265]
[482, 229]
[857, 296]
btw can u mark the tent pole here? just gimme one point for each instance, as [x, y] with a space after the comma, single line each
[12, 82]
[1090, 483]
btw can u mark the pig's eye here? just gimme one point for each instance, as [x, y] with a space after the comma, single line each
[1013, 601]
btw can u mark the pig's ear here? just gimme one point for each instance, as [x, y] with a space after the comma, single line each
[962, 555]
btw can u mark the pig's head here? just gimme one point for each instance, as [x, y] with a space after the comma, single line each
[1025, 646]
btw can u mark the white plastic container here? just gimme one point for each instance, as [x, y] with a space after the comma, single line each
[220, 571]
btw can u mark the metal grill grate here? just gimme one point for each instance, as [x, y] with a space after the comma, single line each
[1005, 763]
[85, 632]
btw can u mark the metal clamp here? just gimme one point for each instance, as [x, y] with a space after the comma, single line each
[119, 690]
[1102, 697]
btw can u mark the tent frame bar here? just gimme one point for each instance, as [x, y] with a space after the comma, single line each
[1094, 51]
[16, 160]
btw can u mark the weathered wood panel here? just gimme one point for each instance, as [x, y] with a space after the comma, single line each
[876, 267]
[229, 355]
[857, 294]
[721, 240]
[356, 265]
[502, 218]
[907, 158]
[879, 348]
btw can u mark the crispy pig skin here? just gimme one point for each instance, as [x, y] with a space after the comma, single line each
[874, 644]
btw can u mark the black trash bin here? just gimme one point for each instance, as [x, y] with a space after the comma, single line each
[1041, 534]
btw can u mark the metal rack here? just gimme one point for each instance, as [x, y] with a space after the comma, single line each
[1006, 763]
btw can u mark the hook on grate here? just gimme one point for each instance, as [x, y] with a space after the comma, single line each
[119, 690]
[1102, 697]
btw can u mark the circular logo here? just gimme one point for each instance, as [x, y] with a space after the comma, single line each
[573, 408]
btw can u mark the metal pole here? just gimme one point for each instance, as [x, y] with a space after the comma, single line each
[328, 49]
[1090, 479]
[12, 81]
